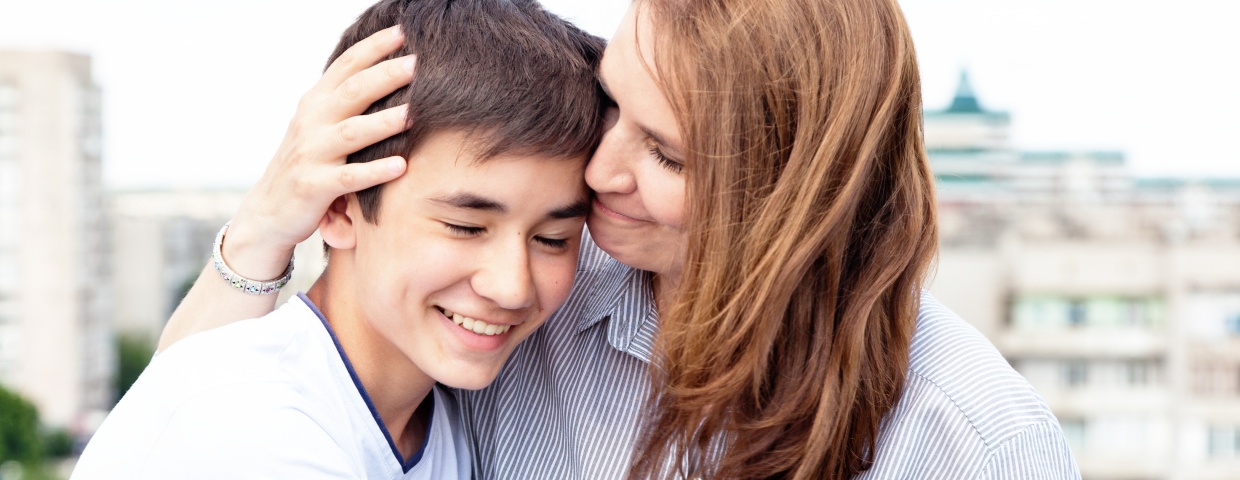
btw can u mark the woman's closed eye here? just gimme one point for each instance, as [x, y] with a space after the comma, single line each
[667, 162]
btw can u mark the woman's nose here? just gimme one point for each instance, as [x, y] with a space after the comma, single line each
[608, 170]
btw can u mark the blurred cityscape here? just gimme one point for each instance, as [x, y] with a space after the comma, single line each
[1118, 297]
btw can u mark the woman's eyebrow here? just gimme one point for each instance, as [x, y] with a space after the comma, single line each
[672, 148]
[661, 140]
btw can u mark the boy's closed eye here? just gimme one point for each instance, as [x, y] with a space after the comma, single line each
[469, 231]
[463, 230]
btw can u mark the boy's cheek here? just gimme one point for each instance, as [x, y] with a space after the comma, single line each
[555, 279]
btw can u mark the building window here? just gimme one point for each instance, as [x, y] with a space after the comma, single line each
[1223, 442]
[8, 309]
[8, 273]
[1212, 378]
[8, 111]
[1075, 373]
[9, 213]
[1139, 372]
[1213, 316]
[1148, 312]
[1232, 324]
[1074, 433]
[10, 351]
[1076, 313]
[1036, 312]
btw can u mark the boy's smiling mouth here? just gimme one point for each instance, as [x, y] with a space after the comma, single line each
[477, 326]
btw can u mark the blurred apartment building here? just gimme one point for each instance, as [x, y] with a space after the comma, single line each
[55, 344]
[1117, 297]
[162, 239]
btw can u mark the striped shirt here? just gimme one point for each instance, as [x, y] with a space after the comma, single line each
[568, 403]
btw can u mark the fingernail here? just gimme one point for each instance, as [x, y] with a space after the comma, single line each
[397, 33]
[409, 64]
[394, 165]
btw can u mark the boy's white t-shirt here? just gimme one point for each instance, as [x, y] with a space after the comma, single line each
[273, 397]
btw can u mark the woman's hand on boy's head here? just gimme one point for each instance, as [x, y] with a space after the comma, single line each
[309, 169]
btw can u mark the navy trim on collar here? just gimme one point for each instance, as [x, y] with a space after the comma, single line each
[413, 460]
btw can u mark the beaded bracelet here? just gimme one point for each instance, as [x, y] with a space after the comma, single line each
[253, 287]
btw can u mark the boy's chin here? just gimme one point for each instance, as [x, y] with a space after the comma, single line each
[473, 381]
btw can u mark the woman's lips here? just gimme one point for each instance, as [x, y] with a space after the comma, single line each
[612, 213]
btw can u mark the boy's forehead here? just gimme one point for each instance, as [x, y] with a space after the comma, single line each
[450, 146]
[473, 149]
[448, 164]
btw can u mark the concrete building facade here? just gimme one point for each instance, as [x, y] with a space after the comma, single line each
[163, 239]
[1117, 297]
[55, 343]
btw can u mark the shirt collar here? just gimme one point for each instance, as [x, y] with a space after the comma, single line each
[622, 298]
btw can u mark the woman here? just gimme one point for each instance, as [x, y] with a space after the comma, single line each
[767, 213]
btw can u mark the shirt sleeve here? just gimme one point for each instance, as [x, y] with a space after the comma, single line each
[1040, 452]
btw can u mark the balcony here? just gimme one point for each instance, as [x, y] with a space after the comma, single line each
[1145, 401]
[1070, 342]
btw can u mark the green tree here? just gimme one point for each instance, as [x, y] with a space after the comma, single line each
[57, 443]
[19, 429]
[25, 447]
[133, 353]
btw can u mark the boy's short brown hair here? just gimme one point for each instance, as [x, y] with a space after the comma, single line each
[517, 79]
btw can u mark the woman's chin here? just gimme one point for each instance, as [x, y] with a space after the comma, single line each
[616, 241]
[637, 248]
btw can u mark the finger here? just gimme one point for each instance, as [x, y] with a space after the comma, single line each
[359, 176]
[358, 132]
[362, 55]
[356, 94]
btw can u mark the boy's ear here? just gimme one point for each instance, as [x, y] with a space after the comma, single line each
[337, 225]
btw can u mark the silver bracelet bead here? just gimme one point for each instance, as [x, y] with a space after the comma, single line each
[253, 287]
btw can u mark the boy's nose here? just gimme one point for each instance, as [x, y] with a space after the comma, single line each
[504, 278]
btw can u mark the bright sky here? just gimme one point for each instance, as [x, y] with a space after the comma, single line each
[199, 93]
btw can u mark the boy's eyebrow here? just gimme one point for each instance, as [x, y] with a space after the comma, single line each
[578, 209]
[471, 202]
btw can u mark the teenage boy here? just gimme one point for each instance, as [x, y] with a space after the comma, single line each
[433, 277]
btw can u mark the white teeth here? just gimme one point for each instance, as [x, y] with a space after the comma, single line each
[478, 326]
[447, 313]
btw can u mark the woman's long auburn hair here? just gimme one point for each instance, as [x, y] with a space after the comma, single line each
[810, 224]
